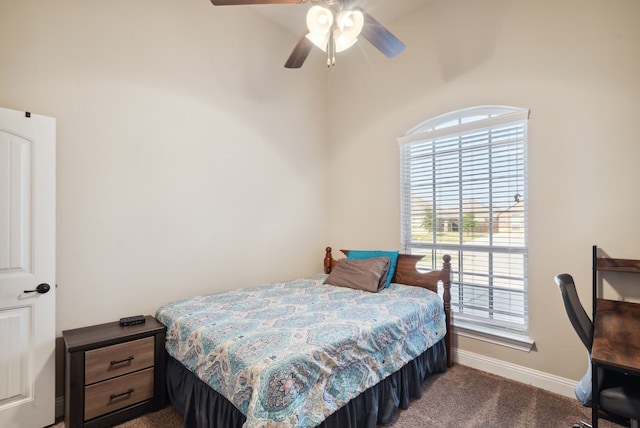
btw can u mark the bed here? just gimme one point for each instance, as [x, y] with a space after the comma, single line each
[307, 353]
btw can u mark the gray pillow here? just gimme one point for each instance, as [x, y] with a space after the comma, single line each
[366, 274]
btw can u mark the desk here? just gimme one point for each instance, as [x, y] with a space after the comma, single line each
[616, 342]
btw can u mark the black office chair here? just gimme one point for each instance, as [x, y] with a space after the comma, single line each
[619, 393]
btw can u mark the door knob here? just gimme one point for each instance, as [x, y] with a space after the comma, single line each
[42, 288]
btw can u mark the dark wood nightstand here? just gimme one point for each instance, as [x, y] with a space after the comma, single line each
[113, 373]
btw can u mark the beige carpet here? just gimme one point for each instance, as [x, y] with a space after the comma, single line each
[460, 398]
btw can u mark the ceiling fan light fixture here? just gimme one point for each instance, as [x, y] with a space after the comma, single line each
[350, 22]
[319, 20]
[349, 25]
[319, 23]
[321, 41]
[343, 42]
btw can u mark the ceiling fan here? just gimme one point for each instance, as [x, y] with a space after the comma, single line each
[333, 26]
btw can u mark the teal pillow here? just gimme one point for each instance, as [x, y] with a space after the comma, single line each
[366, 254]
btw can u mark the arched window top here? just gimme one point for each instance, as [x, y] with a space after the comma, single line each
[468, 118]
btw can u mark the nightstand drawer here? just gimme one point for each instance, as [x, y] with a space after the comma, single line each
[114, 394]
[117, 360]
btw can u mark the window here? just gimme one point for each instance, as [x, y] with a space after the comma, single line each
[464, 193]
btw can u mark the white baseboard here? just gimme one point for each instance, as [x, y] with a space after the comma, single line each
[549, 382]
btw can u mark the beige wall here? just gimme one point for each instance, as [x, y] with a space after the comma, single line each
[576, 66]
[189, 160]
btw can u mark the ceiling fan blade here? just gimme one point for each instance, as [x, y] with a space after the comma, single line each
[299, 53]
[239, 2]
[380, 37]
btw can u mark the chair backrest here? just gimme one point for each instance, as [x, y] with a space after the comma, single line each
[577, 315]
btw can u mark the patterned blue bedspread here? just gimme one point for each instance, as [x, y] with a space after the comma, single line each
[290, 354]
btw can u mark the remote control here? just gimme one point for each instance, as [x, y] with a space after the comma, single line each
[133, 320]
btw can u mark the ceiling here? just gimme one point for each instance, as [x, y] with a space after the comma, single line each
[293, 16]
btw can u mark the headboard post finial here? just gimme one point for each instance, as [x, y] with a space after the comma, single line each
[327, 260]
[446, 279]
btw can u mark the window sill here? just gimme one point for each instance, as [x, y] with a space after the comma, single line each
[509, 339]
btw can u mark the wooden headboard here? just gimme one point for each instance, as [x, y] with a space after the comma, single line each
[407, 273]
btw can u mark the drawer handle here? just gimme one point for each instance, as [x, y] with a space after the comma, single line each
[127, 392]
[126, 360]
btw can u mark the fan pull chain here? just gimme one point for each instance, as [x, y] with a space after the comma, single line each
[331, 51]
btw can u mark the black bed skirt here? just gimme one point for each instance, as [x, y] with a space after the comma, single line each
[203, 407]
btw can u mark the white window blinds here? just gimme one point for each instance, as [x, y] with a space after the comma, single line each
[464, 193]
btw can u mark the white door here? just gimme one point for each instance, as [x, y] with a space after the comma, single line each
[27, 260]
